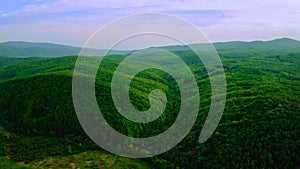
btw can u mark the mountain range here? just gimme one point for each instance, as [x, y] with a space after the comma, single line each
[20, 49]
[286, 44]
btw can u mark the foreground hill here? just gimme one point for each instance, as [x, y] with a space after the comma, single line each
[259, 128]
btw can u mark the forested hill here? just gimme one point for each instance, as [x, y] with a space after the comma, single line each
[259, 128]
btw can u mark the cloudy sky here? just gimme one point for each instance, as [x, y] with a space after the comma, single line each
[72, 22]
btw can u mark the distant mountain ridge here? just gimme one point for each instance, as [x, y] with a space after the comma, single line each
[20, 49]
[277, 44]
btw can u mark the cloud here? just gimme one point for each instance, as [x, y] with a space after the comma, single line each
[72, 21]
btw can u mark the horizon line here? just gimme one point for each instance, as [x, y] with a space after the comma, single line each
[167, 45]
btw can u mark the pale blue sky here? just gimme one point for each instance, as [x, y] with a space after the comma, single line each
[71, 22]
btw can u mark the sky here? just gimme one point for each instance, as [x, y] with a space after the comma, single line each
[72, 22]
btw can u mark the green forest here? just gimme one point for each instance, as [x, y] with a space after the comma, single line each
[259, 128]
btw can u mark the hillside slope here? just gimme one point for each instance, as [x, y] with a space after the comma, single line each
[259, 128]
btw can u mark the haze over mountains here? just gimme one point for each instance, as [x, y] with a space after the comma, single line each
[20, 49]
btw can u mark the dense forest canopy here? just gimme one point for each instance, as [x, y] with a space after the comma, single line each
[259, 128]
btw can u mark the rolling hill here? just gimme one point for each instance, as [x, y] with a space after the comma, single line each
[259, 128]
